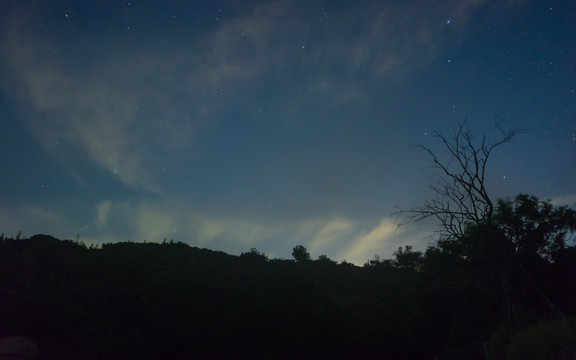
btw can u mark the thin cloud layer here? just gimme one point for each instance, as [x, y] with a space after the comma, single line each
[133, 107]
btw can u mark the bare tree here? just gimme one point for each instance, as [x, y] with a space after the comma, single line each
[460, 187]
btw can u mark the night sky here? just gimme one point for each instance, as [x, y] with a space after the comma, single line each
[268, 124]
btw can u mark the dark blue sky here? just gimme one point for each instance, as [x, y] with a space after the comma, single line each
[232, 125]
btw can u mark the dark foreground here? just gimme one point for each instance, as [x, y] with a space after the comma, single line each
[172, 301]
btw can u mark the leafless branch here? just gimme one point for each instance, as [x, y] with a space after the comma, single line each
[461, 197]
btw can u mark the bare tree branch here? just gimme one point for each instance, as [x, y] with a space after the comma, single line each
[460, 187]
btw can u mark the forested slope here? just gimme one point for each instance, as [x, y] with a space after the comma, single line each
[487, 294]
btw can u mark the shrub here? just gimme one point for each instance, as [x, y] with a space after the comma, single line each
[546, 340]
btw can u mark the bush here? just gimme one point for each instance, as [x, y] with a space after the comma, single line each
[254, 255]
[546, 340]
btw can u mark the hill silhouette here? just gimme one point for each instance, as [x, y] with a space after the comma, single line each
[172, 301]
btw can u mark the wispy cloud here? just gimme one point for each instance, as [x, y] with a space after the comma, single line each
[133, 107]
[338, 237]
[130, 108]
[89, 114]
[360, 240]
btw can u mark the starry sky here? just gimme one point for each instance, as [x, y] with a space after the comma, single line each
[268, 124]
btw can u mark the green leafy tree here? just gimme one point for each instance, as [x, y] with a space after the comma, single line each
[509, 262]
[406, 258]
[537, 229]
[377, 262]
[325, 259]
[254, 254]
[300, 254]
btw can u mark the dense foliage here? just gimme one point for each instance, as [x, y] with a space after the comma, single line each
[484, 295]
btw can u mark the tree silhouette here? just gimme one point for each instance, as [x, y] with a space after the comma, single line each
[510, 263]
[299, 253]
[536, 228]
[254, 254]
[460, 188]
[326, 259]
[407, 258]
